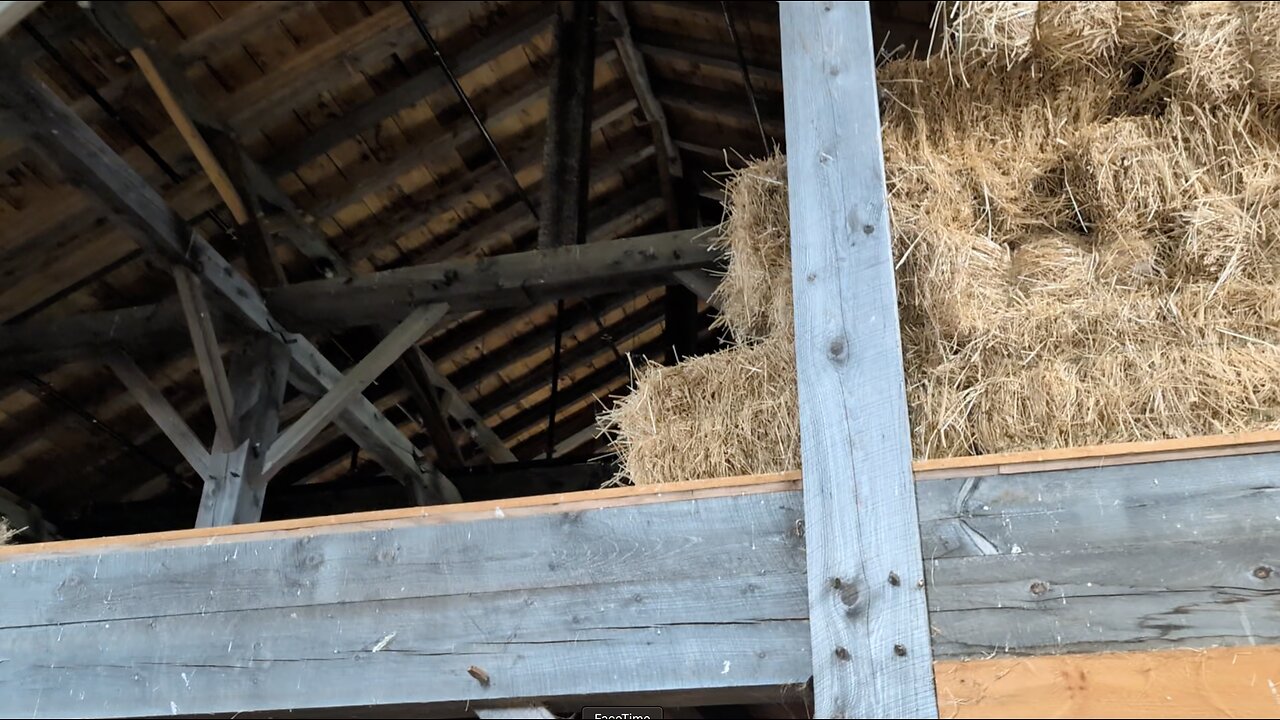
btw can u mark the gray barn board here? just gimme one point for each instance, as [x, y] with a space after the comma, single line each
[867, 616]
[698, 595]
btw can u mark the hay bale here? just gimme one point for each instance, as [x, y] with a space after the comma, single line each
[1123, 174]
[1211, 53]
[1263, 20]
[6, 533]
[1079, 34]
[1145, 29]
[992, 34]
[1215, 237]
[730, 413]
[754, 297]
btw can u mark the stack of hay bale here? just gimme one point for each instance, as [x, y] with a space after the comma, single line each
[1086, 221]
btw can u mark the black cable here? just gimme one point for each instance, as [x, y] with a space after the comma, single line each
[555, 383]
[466, 102]
[746, 74]
[88, 89]
[47, 392]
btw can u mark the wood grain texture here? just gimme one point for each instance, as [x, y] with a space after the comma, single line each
[545, 605]
[867, 616]
[161, 411]
[1238, 682]
[698, 585]
[353, 382]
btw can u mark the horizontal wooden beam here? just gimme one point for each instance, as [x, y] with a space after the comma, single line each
[520, 590]
[512, 280]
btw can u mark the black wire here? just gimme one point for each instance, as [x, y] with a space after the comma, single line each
[47, 392]
[466, 102]
[746, 74]
[555, 383]
[88, 89]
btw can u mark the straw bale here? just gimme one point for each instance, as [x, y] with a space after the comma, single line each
[1211, 52]
[992, 33]
[730, 413]
[1082, 255]
[1263, 20]
[6, 533]
[1123, 172]
[755, 298]
[1082, 34]
[1146, 28]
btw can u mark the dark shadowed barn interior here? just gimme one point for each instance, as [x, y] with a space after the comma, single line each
[312, 140]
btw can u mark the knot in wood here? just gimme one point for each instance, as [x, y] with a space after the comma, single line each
[900, 650]
[836, 350]
[1262, 572]
[842, 653]
[894, 580]
[1039, 588]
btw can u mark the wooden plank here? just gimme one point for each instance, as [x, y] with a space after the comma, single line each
[532, 595]
[204, 339]
[468, 417]
[867, 612]
[353, 382]
[513, 279]
[556, 609]
[1215, 683]
[162, 412]
[699, 282]
[13, 12]
[562, 216]
[1102, 455]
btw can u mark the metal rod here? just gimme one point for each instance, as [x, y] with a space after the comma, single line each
[48, 393]
[746, 74]
[466, 102]
[555, 383]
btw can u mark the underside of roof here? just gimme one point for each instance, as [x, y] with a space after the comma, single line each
[357, 125]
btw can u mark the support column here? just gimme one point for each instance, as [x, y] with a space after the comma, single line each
[868, 623]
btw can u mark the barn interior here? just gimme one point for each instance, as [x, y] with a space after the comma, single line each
[312, 140]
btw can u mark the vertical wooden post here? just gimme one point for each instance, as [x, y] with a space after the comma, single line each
[564, 199]
[235, 485]
[867, 611]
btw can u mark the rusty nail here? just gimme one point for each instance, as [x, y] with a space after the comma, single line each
[900, 650]
[480, 675]
[894, 580]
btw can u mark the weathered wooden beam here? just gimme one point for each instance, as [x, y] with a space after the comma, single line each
[13, 12]
[208, 353]
[562, 218]
[169, 420]
[1084, 560]
[90, 164]
[513, 279]
[353, 382]
[867, 610]
[699, 282]
[235, 488]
